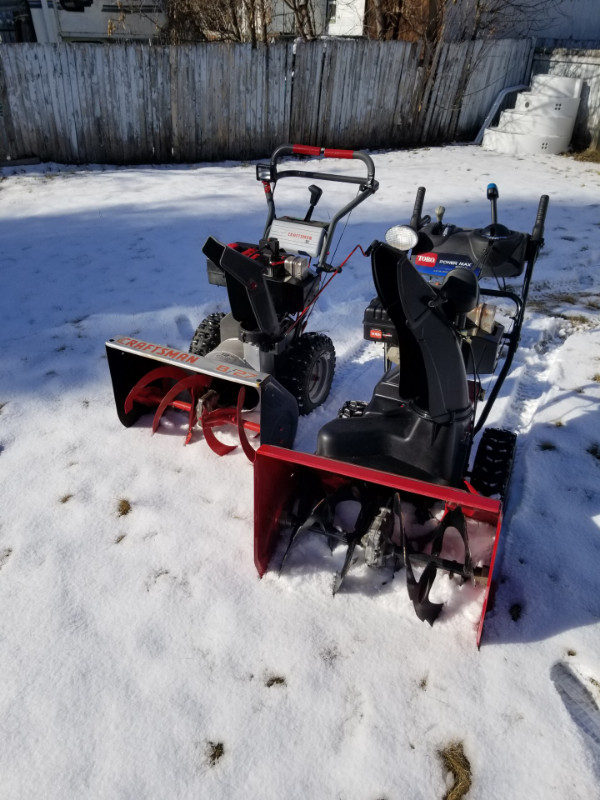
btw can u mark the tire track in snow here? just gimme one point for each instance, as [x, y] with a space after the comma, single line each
[353, 372]
[533, 378]
[580, 704]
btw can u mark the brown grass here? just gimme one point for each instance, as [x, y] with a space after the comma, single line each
[575, 319]
[214, 752]
[123, 507]
[564, 297]
[591, 154]
[275, 680]
[455, 761]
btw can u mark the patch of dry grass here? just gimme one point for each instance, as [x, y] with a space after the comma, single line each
[550, 305]
[123, 507]
[275, 680]
[214, 752]
[591, 155]
[455, 761]
[576, 319]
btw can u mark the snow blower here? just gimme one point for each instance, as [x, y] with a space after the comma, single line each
[256, 368]
[391, 476]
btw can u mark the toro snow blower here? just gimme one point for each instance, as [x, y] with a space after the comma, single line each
[255, 368]
[391, 476]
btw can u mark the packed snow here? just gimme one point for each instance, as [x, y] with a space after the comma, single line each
[141, 655]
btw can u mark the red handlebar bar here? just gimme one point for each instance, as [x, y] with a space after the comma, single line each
[327, 152]
[330, 152]
[305, 150]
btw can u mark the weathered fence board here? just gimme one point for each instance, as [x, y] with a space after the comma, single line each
[306, 90]
[508, 63]
[79, 103]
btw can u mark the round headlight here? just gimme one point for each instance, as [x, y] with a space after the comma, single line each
[402, 237]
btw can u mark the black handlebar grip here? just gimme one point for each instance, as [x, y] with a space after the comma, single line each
[418, 208]
[538, 229]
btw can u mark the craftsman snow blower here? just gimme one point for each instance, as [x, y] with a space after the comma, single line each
[256, 368]
[391, 476]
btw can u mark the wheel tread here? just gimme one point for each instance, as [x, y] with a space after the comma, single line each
[493, 462]
[298, 360]
[207, 335]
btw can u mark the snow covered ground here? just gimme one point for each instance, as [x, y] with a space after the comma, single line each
[141, 656]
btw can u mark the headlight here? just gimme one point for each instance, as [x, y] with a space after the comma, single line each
[402, 237]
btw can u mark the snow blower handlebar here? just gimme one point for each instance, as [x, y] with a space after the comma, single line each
[534, 246]
[325, 152]
[268, 174]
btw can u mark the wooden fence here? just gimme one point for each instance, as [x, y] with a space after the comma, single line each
[123, 104]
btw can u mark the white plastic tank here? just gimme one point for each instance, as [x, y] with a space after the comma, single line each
[542, 120]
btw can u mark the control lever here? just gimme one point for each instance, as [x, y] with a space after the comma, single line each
[439, 215]
[492, 196]
[315, 196]
[416, 220]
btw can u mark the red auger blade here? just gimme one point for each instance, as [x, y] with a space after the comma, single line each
[214, 419]
[228, 416]
[190, 383]
[148, 395]
[246, 446]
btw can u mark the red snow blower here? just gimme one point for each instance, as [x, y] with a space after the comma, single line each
[256, 368]
[391, 476]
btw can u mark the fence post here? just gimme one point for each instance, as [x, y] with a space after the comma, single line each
[5, 148]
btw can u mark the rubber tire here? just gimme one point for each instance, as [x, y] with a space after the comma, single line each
[208, 335]
[306, 370]
[493, 463]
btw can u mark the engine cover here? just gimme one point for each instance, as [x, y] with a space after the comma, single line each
[298, 237]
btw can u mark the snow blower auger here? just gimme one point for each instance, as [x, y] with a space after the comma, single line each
[391, 475]
[256, 368]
